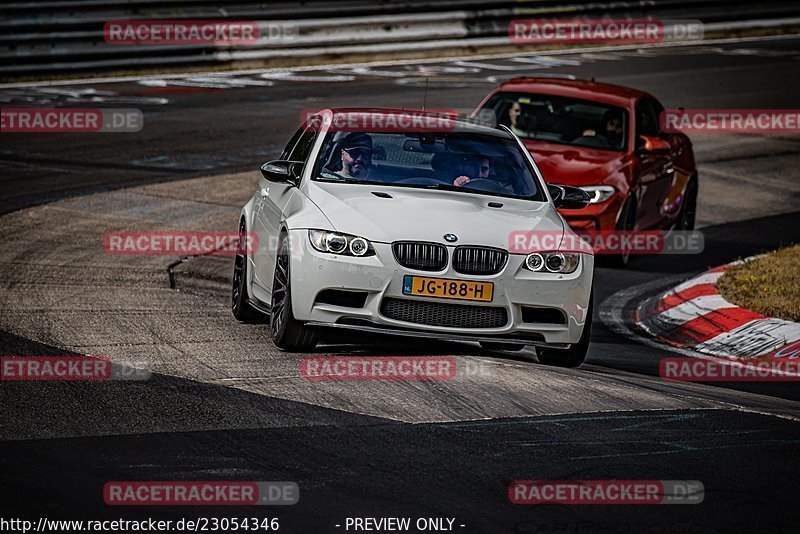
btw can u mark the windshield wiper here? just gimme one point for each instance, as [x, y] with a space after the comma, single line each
[330, 176]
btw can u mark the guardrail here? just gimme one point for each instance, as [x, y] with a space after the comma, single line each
[44, 38]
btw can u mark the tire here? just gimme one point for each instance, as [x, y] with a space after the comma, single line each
[576, 354]
[686, 219]
[287, 332]
[240, 306]
[493, 345]
[626, 223]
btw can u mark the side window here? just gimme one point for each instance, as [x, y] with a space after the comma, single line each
[646, 119]
[290, 145]
[303, 147]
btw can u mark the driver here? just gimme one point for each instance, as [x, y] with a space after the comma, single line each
[612, 129]
[356, 155]
[471, 168]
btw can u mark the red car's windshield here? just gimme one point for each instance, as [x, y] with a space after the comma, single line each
[559, 119]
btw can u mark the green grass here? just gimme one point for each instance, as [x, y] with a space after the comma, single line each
[769, 285]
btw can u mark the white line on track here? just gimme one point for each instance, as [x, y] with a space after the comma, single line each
[387, 63]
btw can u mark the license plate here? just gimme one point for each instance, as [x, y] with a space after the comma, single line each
[420, 286]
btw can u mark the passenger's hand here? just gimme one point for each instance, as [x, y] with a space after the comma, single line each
[461, 180]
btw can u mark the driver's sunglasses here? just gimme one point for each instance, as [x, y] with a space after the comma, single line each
[356, 152]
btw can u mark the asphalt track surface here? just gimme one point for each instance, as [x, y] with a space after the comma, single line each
[224, 404]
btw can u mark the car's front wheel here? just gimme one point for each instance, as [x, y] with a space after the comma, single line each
[287, 332]
[576, 354]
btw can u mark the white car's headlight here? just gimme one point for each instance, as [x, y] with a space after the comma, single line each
[599, 193]
[552, 262]
[338, 243]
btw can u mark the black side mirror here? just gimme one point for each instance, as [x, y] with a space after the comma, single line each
[568, 197]
[556, 191]
[282, 171]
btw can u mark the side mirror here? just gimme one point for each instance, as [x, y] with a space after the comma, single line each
[282, 171]
[557, 192]
[652, 146]
[568, 197]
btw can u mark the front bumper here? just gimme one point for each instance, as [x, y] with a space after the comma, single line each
[595, 217]
[380, 277]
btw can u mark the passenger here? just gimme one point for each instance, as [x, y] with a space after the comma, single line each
[513, 119]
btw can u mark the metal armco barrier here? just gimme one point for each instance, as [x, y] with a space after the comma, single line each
[45, 38]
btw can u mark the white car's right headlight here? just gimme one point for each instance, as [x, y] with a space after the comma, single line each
[552, 262]
[598, 193]
[338, 243]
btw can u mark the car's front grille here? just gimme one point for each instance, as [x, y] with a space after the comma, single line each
[443, 314]
[420, 256]
[479, 260]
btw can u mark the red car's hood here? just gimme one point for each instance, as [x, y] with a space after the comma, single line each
[573, 165]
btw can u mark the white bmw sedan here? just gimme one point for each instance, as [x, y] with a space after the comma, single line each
[364, 225]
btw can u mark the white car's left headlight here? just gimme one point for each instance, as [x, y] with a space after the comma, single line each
[552, 262]
[598, 193]
[338, 243]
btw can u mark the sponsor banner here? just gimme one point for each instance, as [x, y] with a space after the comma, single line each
[722, 370]
[621, 492]
[378, 368]
[70, 120]
[180, 243]
[400, 121]
[603, 31]
[190, 493]
[607, 242]
[743, 121]
[183, 32]
[59, 368]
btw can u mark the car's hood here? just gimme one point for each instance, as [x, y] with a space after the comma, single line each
[572, 165]
[427, 215]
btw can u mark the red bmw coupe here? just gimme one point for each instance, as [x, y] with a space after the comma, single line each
[606, 140]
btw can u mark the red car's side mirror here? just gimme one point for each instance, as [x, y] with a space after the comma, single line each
[652, 146]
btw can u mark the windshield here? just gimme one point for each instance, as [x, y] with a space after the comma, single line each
[560, 119]
[466, 162]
